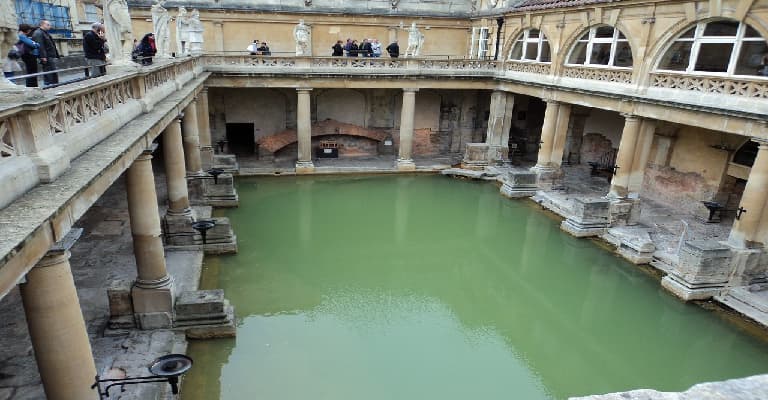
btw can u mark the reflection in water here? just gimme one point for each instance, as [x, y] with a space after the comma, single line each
[422, 301]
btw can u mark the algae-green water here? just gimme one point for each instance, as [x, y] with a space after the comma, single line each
[425, 287]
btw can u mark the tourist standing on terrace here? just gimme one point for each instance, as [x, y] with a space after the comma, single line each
[93, 47]
[376, 47]
[393, 49]
[48, 52]
[338, 50]
[29, 52]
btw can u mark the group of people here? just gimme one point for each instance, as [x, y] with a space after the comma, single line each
[36, 50]
[257, 49]
[34, 45]
[368, 48]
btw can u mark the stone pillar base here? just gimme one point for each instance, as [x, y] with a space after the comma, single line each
[153, 307]
[498, 154]
[221, 192]
[624, 211]
[475, 156]
[177, 228]
[590, 217]
[543, 169]
[205, 314]
[196, 189]
[305, 167]
[227, 162]
[749, 266]
[519, 184]
[637, 251]
[686, 292]
[701, 272]
[405, 165]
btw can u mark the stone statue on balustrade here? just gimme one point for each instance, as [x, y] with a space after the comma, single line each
[302, 35]
[415, 41]
[161, 27]
[195, 33]
[492, 3]
[182, 32]
[117, 22]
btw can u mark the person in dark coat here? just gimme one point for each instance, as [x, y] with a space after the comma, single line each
[353, 49]
[93, 47]
[365, 49]
[393, 49]
[30, 52]
[48, 52]
[264, 49]
[147, 49]
[338, 49]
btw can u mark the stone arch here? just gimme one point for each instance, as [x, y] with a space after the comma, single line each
[569, 44]
[666, 40]
[510, 40]
[275, 142]
[342, 105]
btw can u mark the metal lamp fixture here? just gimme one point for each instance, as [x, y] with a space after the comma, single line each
[167, 368]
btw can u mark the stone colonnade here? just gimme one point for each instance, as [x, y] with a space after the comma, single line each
[54, 317]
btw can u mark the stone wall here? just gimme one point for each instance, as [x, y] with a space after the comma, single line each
[445, 119]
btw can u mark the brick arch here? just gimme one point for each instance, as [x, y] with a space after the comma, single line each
[273, 143]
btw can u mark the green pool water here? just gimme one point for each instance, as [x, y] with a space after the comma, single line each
[425, 287]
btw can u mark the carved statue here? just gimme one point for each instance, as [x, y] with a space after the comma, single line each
[160, 26]
[195, 33]
[415, 41]
[493, 3]
[473, 5]
[302, 35]
[117, 22]
[394, 3]
[8, 17]
[182, 32]
[307, 3]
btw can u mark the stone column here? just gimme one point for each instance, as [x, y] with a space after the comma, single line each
[152, 293]
[640, 160]
[499, 123]
[547, 137]
[175, 172]
[191, 138]
[404, 158]
[304, 164]
[561, 134]
[56, 326]
[625, 157]
[745, 230]
[206, 148]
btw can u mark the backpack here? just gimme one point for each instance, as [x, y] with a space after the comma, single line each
[14, 53]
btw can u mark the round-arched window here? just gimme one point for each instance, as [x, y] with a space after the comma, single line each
[531, 45]
[724, 47]
[602, 46]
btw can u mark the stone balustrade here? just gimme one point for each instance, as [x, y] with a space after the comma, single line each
[41, 134]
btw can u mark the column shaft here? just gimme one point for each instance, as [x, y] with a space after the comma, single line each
[407, 114]
[547, 136]
[57, 330]
[145, 222]
[625, 157]
[561, 134]
[191, 138]
[642, 152]
[173, 154]
[304, 131]
[206, 147]
[744, 232]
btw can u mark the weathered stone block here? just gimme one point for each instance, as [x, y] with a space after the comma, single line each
[589, 217]
[200, 302]
[152, 300]
[519, 184]
[154, 320]
[227, 162]
[119, 296]
[475, 156]
[703, 262]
